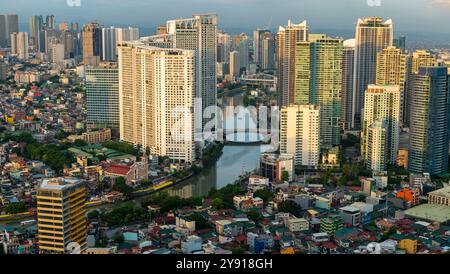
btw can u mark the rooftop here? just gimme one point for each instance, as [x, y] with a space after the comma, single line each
[119, 169]
[430, 212]
[443, 192]
[58, 183]
[350, 209]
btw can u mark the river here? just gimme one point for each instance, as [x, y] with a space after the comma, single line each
[234, 162]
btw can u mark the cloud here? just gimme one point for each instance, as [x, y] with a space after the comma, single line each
[441, 3]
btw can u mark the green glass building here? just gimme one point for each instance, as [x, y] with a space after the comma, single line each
[102, 92]
[319, 82]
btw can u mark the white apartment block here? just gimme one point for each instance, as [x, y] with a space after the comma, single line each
[299, 134]
[58, 53]
[126, 34]
[200, 35]
[382, 104]
[19, 44]
[297, 224]
[156, 99]
[376, 155]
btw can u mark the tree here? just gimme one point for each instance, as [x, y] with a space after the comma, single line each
[200, 221]
[171, 203]
[94, 215]
[121, 186]
[342, 181]
[285, 177]
[325, 177]
[288, 207]
[212, 153]
[266, 195]
[195, 169]
[16, 208]
[350, 141]
[104, 184]
[80, 143]
[217, 203]
[61, 135]
[254, 215]
[226, 194]
[52, 155]
[24, 137]
[238, 251]
[122, 147]
[195, 201]
[125, 214]
[119, 238]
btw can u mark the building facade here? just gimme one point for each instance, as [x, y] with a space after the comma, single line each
[299, 134]
[61, 215]
[35, 31]
[12, 26]
[241, 45]
[92, 44]
[258, 36]
[319, 82]
[235, 67]
[268, 52]
[19, 45]
[3, 32]
[287, 39]
[199, 34]
[156, 99]
[381, 119]
[419, 58]
[428, 148]
[223, 47]
[440, 197]
[348, 63]
[102, 96]
[109, 52]
[377, 156]
[273, 166]
[392, 70]
[372, 36]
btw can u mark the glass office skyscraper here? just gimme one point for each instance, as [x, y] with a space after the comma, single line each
[429, 121]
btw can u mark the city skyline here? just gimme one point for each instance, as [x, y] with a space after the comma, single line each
[225, 127]
[249, 13]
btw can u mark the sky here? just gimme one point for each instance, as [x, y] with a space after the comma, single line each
[408, 15]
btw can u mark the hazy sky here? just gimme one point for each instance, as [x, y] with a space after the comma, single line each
[408, 15]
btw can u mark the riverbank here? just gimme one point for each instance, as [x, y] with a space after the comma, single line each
[16, 217]
[154, 189]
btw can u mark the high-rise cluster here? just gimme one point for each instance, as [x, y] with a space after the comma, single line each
[310, 69]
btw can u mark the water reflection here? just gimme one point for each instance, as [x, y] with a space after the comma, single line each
[235, 161]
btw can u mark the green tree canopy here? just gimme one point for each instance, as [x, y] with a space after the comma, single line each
[218, 203]
[288, 207]
[15, 208]
[266, 195]
[121, 186]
